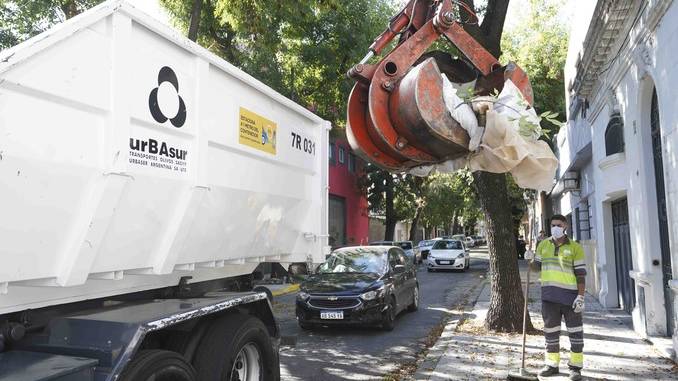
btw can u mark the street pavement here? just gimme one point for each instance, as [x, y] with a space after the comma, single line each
[368, 353]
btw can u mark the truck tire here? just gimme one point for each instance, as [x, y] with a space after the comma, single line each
[158, 365]
[237, 347]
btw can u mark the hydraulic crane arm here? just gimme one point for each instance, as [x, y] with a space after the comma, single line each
[396, 114]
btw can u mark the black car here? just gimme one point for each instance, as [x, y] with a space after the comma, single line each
[359, 285]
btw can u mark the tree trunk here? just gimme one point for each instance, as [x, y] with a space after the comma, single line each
[506, 298]
[390, 210]
[195, 20]
[415, 222]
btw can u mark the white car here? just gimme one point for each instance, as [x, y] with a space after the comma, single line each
[424, 247]
[448, 254]
[470, 242]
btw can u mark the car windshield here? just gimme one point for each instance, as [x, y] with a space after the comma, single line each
[425, 243]
[407, 245]
[447, 245]
[355, 261]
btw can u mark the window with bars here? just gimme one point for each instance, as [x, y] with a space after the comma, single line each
[331, 154]
[614, 135]
[342, 155]
[583, 221]
[351, 162]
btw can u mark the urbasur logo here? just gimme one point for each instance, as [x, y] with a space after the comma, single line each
[164, 102]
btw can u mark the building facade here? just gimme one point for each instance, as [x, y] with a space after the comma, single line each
[618, 176]
[348, 213]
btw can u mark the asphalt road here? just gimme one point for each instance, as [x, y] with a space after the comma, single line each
[368, 353]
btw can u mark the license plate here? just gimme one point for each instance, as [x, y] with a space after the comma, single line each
[332, 315]
[444, 262]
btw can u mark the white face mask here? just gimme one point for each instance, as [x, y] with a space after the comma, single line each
[557, 232]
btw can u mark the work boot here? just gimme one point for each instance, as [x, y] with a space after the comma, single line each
[548, 371]
[575, 374]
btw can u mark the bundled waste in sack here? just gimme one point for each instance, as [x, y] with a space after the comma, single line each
[508, 142]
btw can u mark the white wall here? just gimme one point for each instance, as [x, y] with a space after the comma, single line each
[648, 59]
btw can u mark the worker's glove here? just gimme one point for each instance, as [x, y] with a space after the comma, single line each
[578, 304]
[529, 255]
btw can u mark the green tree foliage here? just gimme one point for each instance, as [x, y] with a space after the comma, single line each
[539, 44]
[451, 199]
[381, 188]
[23, 19]
[300, 48]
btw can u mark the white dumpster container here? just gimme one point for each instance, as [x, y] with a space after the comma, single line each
[130, 157]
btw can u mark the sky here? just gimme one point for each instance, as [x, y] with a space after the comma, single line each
[153, 8]
[516, 7]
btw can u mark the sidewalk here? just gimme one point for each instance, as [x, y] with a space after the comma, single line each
[612, 350]
[281, 289]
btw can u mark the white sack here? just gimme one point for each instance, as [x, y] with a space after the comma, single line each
[461, 112]
[530, 162]
[502, 148]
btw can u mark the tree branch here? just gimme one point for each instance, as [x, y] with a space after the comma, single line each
[472, 29]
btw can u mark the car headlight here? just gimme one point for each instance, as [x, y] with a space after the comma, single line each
[303, 295]
[371, 295]
[460, 256]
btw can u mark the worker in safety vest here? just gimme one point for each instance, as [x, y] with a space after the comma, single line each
[563, 272]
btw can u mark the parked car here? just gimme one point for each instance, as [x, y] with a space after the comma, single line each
[381, 243]
[415, 258]
[470, 242]
[448, 255]
[359, 285]
[408, 248]
[424, 247]
[480, 240]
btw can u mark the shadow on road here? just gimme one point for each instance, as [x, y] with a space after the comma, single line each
[367, 352]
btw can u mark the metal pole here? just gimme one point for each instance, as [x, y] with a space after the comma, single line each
[527, 287]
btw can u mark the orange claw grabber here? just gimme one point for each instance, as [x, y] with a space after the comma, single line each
[397, 118]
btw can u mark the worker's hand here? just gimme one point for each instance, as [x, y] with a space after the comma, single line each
[529, 255]
[578, 304]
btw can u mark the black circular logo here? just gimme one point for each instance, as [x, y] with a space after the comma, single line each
[177, 118]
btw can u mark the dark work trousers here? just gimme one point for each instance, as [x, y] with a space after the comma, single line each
[553, 313]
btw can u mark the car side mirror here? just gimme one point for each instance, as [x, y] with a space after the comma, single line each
[399, 269]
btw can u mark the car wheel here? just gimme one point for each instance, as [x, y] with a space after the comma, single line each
[429, 270]
[415, 300]
[306, 326]
[388, 320]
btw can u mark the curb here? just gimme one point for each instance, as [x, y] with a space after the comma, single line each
[287, 290]
[437, 351]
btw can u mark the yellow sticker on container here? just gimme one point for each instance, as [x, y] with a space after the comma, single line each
[257, 132]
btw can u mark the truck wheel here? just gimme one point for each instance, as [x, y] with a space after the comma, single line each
[158, 365]
[236, 347]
